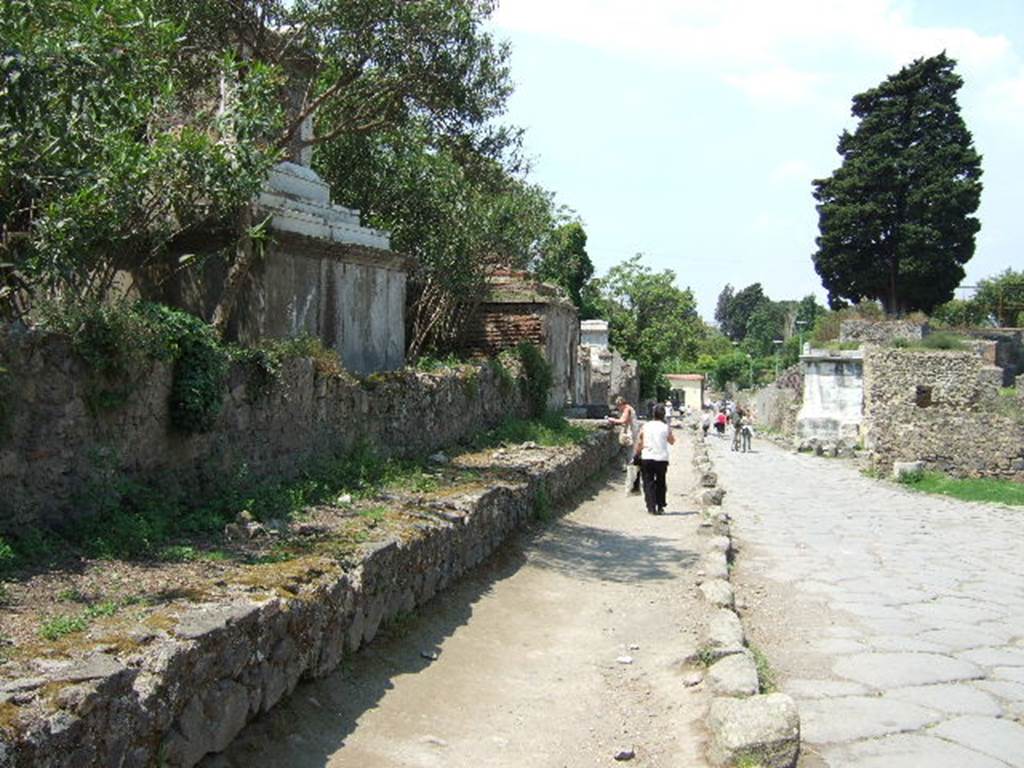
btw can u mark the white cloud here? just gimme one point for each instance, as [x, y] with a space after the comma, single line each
[768, 50]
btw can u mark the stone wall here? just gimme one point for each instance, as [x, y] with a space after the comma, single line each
[832, 402]
[942, 408]
[54, 448]
[197, 677]
[881, 331]
[774, 408]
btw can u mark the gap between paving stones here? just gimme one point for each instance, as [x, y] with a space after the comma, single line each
[206, 672]
[746, 727]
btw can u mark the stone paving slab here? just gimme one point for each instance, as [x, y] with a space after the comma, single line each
[901, 615]
[995, 737]
[908, 751]
[849, 718]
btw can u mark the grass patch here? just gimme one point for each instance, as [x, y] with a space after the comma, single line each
[185, 553]
[765, 674]
[61, 626]
[550, 430]
[985, 489]
[941, 340]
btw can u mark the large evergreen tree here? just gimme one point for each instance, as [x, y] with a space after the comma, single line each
[895, 218]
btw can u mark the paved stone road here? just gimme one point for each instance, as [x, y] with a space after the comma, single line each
[895, 619]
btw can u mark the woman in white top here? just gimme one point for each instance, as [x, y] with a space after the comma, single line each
[652, 448]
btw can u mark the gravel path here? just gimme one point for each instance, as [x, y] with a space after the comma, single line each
[895, 619]
[524, 663]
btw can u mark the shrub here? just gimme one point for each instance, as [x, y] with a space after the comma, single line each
[536, 377]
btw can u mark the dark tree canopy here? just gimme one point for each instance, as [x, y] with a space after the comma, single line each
[734, 309]
[895, 218]
[564, 260]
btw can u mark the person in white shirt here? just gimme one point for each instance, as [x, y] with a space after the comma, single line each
[652, 448]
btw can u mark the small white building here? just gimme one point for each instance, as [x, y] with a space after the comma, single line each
[687, 388]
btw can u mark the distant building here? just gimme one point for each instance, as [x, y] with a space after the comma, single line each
[687, 388]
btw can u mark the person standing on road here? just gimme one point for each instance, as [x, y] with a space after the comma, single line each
[705, 422]
[652, 448]
[737, 428]
[627, 421]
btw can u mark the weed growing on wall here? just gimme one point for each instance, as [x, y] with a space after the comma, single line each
[119, 343]
[536, 377]
[504, 377]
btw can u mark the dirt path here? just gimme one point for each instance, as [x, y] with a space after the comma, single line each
[527, 669]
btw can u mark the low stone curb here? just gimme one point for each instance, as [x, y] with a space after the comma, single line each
[188, 684]
[745, 726]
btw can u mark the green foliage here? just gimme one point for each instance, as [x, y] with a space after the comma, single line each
[505, 379]
[988, 490]
[120, 341]
[650, 319]
[536, 379]
[111, 146]
[549, 430]
[61, 626]
[7, 555]
[765, 674]
[895, 219]
[959, 313]
[734, 310]
[734, 367]
[564, 260]
[1001, 298]
[941, 340]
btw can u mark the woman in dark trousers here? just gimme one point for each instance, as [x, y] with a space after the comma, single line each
[652, 448]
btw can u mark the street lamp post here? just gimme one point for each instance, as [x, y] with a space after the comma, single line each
[750, 360]
[778, 347]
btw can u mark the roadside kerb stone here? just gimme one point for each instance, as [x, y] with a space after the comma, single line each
[193, 686]
[718, 592]
[723, 634]
[734, 675]
[744, 725]
[764, 729]
[714, 566]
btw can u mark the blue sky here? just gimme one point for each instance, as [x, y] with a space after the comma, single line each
[690, 130]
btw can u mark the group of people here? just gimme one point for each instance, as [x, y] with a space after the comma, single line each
[728, 413]
[646, 448]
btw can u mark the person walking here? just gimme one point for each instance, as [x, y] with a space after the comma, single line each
[629, 427]
[705, 422]
[737, 428]
[652, 448]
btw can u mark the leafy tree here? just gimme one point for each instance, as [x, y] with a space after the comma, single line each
[457, 219]
[895, 218]
[737, 308]
[767, 323]
[808, 311]
[1002, 298]
[722, 316]
[564, 260]
[650, 319]
[105, 154]
[960, 313]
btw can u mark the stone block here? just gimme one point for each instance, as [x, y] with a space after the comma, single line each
[714, 566]
[764, 729]
[901, 469]
[733, 675]
[711, 497]
[718, 592]
[721, 544]
[723, 634]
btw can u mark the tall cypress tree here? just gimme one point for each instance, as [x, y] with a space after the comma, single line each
[895, 219]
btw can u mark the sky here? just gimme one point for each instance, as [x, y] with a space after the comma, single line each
[690, 130]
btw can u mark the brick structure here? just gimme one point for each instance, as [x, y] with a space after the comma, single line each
[518, 308]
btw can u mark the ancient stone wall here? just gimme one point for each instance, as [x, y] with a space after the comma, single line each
[774, 408]
[942, 408]
[194, 679]
[56, 445]
[881, 331]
